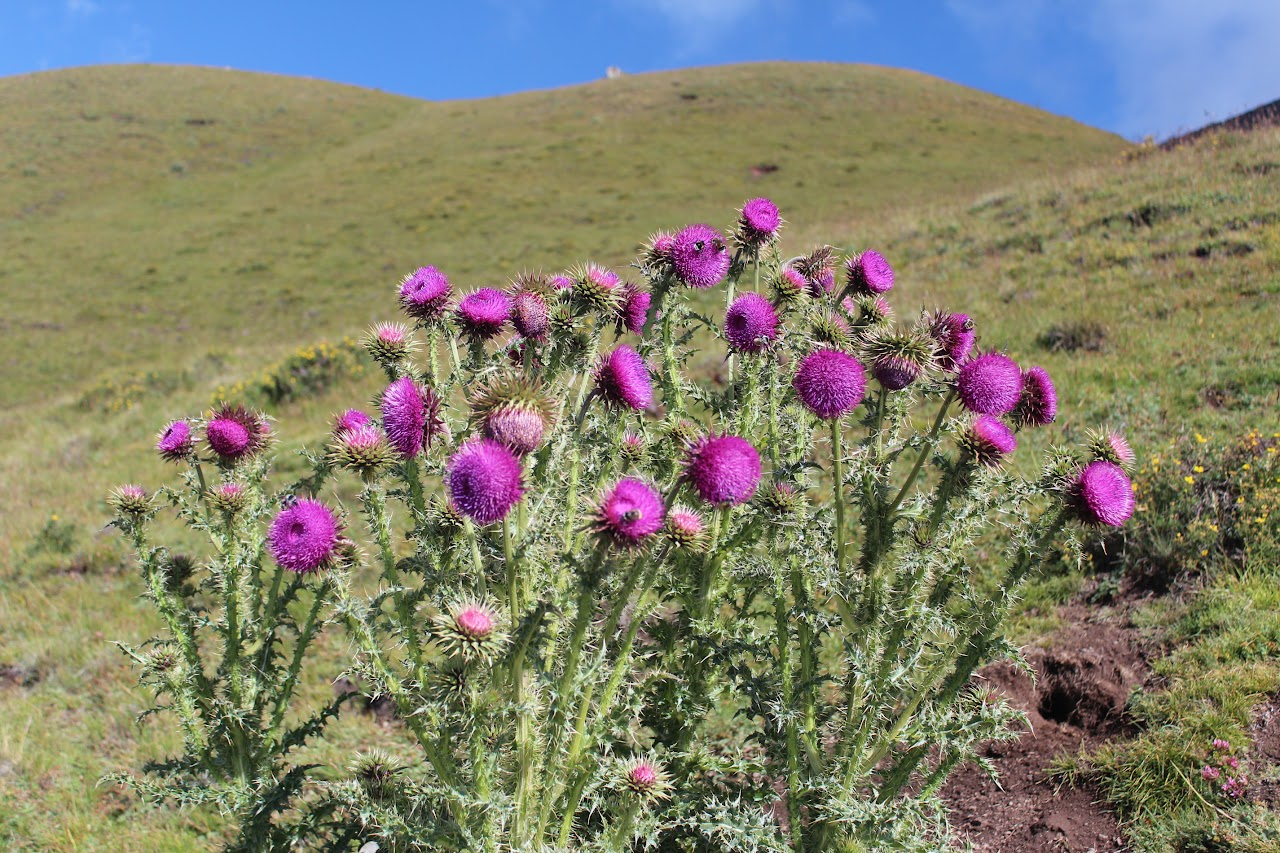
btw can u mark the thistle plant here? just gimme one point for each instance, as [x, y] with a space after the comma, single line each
[616, 607]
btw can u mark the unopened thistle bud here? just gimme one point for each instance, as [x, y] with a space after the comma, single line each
[230, 499]
[656, 255]
[131, 500]
[363, 449]
[175, 443]
[597, 289]
[445, 516]
[470, 630]
[831, 329]
[377, 773]
[818, 269]
[682, 433]
[389, 344]
[868, 311]
[645, 779]
[783, 502]
[178, 569]
[634, 450]
[790, 287]
[514, 411]
[686, 529]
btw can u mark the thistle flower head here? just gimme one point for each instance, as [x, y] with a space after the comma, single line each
[831, 329]
[790, 286]
[376, 772]
[483, 313]
[236, 433]
[656, 253]
[987, 441]
[1102, 494]
[758, 223]
[1038, 402]
[635, 309]
[751, 323]
[363, 449]
[818, 268]
[954, 336]
[597, 288]
[898, 359]
[623, 379]
[1111, 446]
[869, 273]
[723, 469]
[304, 536]
[389, 343]
[686, 528]
[425, 294]
[350, 419]
[470, 630]
[646, 780]
[700, 256]
[410, 416]
[634, 449]
[514, 411]
[783, 502]
[561, 281]
[131, 500]
[990, 384]
[868, 311]
[529, 312]
[228, 498]
[830, 383]
[484, 480]
[175, 443]
[629, 513]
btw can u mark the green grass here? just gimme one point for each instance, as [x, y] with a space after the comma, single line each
[147, 260]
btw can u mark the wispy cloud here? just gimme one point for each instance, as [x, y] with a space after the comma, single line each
[698, 24]
[852, 13]
[82, 8]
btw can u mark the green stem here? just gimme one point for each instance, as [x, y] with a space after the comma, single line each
[295, 665]
[925, 451]
[837, 496]
[783, 627]
[375, 501]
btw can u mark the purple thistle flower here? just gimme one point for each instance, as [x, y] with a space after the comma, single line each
[990, 384]
[750, 324]
[758, 223]
[529, 315]
[830, 383]
[1210, 774]
[685, 528]
[988, 441]
[1038, 402]
[623, 379]
[484, 480]
[424, 294]
[518, 427]
[348, 420]
[562, 282]
[410, 416]
[1103, 494]
[895, 372]
[303, 537]
[700, 256]
[723, 470]
[954, 335]
[175, 442]
[476, 621]
[630, 513]
[646, 780]
[236, 433]
[635, 308]
[822, 283]
[869, 273]
[483, 313]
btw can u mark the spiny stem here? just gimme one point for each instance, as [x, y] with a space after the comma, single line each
[837, 496]
[925, 451]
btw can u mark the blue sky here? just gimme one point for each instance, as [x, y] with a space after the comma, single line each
[1136, 67]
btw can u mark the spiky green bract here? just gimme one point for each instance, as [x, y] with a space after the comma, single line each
[898, 359]
[645, 778]
[132, 501]
[597, 289]
[471, 630]
[389, 344]
[228, 498]
[513, 410]
[362, 449]
[783, 502]
[1110, 446]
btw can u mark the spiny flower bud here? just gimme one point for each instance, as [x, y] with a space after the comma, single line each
[131, 500]
[897, 360]
[656, 254]
[235, 433]
[1038, 403]
[178, 569]
[818, 269]
[514, 411]
[228, 498]
[682, 432]
[445, 516]
[686, 528]
[304, 536]
[868, 311]
[954, 336]
[529, 313]
[561, 281]
[635, 309]
[633, 449]
[484, 480]
[389, 344]
[482, 313]
[758, 224]
[987, 441]
[175, 443]
[989, 384]
[723, 470]
[425, 294]
[623, 379]
[629, 513]
[751, 323]
[831, 329]
[700, 256]
[869, 273]
[410, 416]
[564, 322]
[1111, 446]
[470, 630]
[830, 383]
[1102, 494]
[790, 287]
[376, 772]
[597, 288]
[783, 502]
[646, 779]
[363, 449]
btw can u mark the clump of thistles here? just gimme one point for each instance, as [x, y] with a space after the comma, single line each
[484, 480]
[515, 412]
[175, 443]
[389, 344]
[622, 379]
[629, 513]
[758, 224]
[987, 441]
[869, 273]
[304, 537]
[699, 256]
[410, 416]
[470, 630]
[425, 293]
[482, 313]
[1102, 494]
[686, 528]
[723, 469]
[751, 323]
[830, 383]
[1038, 403]
[990, 384]
[235, 433]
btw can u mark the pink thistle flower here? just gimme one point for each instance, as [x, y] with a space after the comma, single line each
[1220, 744]
[131, 500]
[758, 223]
[830, 383]
[723, 470]
[562, 282]
[646, 779]
[1103, 494]
[530, 316]
[623, 379]
[483, 313]
[388, 343]
[1111, 446]
[304, 537]
[1038, 402]
[228, 498]
[476, 621]
[869, 273]
[988, 441]
[791, 286]
[822, 283]
[350, 419]
[751, 323]
[364, 449]
[686, 529]
[470, 630]
[175, 443]
[425, 293]
[955, 336]
[990, 384]
[700, 256]
[635, 309]
[630, 513]
[236, 433]
[410, 416]
[484, 480]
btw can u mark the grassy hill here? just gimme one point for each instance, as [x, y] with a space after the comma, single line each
[166, 230]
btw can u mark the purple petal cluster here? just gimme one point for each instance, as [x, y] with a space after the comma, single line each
[623, 379]
[529, 315]
[635, 309]
[988, 440]
[830, 383]
[723, 470]
[484, 480]
[1103, 494]
[751, 323]
[869, 273]
[484, 312]
[408, 416]
[700, 256]
[1038, 403]
[303, 537]
[424, 294]
[175, 442]
[990, 384]
[235, 433]
[630, 512]
[349, 420]
[759, 222]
